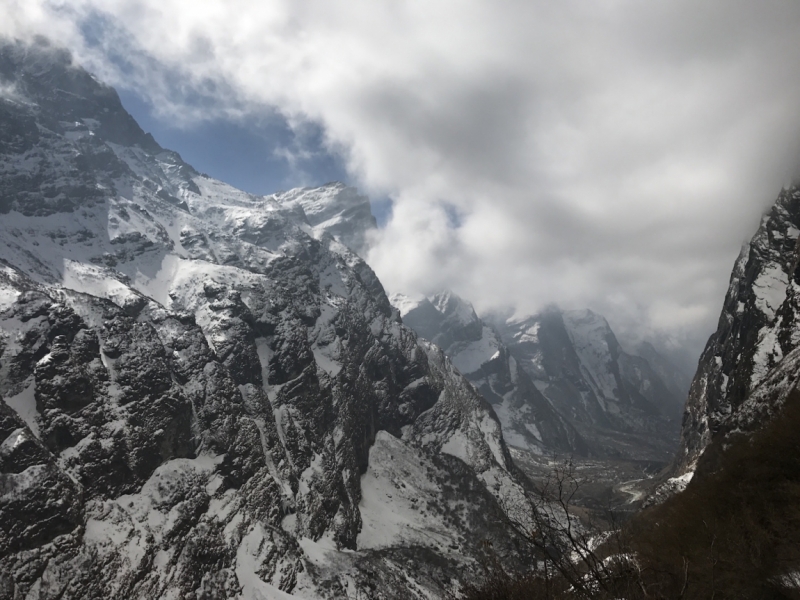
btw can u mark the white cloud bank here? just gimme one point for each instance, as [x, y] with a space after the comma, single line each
[612, 154]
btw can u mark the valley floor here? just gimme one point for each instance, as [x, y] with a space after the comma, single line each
[605, 486]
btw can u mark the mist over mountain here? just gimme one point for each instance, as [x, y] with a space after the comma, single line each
[206, 393]
[609, 157]
[558, 380]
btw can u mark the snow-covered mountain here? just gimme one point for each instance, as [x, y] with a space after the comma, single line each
[475, 348]
[559, 380]
[335, 209]
[617, 401]
[205, 394]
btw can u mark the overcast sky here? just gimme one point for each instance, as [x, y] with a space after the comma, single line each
[608, 153]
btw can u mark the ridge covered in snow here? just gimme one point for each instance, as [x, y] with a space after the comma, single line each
[207, 393]
[337, 210]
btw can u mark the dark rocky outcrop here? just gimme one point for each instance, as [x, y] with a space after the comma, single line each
[756, 335]
[198, 382]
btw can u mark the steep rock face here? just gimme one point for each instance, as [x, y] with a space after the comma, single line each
[617, 402]
[44, 502]
[529, 420]
[749, 364]
[201, 387]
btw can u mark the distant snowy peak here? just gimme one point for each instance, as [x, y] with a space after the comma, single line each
[405, 303]
[617, 401]
[443, 318]
[476, 349]
[336, 209]
[450, 322]
[587, 328]
[446, 303]
[454, 308]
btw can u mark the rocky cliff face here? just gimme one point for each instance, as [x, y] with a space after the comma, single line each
[750, 363]
[206, 395]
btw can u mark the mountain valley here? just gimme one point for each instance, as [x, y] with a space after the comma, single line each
[206, 393]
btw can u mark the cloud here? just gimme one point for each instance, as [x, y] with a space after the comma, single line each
[612, 154]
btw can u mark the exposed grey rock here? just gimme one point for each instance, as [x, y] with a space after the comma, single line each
[749, 364]
[198, 382]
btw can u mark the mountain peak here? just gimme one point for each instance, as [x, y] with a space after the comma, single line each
[405, 303]
[63, 93]
[186, 367]
[335, 209]
[453, 307]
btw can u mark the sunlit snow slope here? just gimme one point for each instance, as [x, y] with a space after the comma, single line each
[206, 395]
